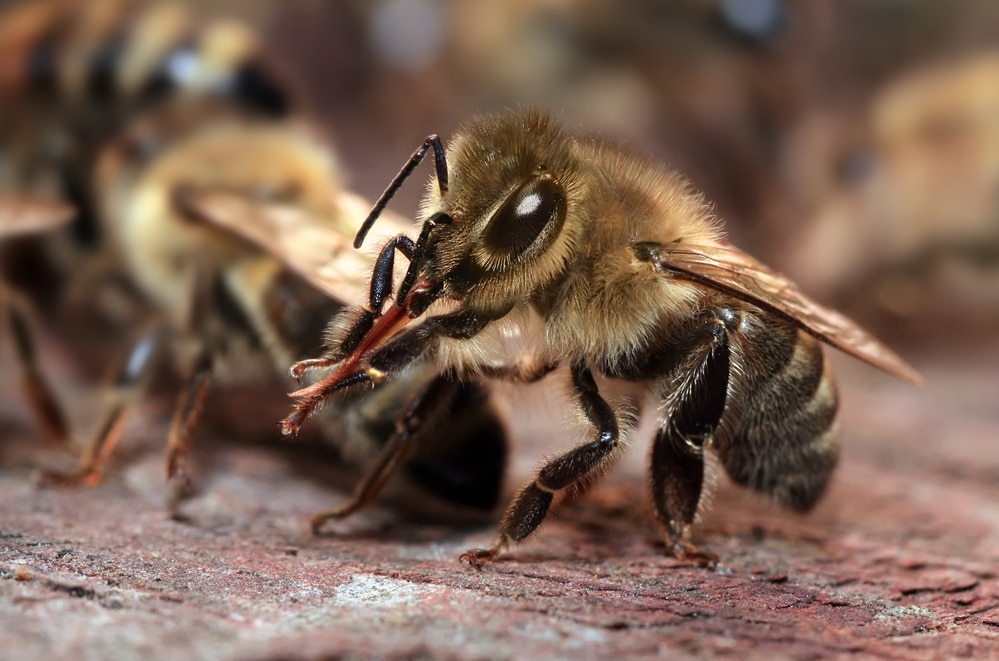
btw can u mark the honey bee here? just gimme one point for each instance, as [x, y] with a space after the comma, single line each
[612, 266]
[21, 216]
[140, 75]
[203, 151]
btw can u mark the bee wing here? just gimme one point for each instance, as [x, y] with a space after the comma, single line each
[726, 268]
[318, 248]
[22, 215]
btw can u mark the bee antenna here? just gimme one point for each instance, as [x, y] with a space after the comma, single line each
[440, 163]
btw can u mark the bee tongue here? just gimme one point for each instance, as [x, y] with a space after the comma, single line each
[351, 369]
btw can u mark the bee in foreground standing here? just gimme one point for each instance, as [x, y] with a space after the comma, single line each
[626, 275]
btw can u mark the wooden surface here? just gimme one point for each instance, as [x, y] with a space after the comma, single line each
[900, 560]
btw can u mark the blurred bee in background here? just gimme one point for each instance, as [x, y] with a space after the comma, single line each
[74, 75]
[613, 267]
[923, 219]
[207, 157]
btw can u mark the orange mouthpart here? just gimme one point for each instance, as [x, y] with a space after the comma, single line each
[352, 371]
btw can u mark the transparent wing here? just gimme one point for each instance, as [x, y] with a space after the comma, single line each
[317, 248]
[726, 268]
[23, 215]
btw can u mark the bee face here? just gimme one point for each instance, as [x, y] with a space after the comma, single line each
[514, 217]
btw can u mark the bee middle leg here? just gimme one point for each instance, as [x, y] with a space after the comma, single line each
[127, 382]
[425, 408]
[185, 422]
[531, 505]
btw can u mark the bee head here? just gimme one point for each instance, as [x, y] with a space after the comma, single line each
[511, 194]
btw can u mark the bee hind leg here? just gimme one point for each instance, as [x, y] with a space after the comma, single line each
[424, 409]
[531, 505]
[677, 464]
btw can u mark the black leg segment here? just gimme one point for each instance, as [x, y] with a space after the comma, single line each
[677, 467]
[531, 505]
[424, 409]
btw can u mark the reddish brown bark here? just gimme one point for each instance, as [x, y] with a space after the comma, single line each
[899, 561]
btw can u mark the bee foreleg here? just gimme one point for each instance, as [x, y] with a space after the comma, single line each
[426, 407]
[129, 377]
[364, 318]
[677, 466]
[381, 276]
[395, 355]
[37, 390]
[531, 505]
[410, 344]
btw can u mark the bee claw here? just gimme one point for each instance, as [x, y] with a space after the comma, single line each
[477, 558]
[700, 558]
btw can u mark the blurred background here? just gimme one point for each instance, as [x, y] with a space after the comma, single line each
[853, 144]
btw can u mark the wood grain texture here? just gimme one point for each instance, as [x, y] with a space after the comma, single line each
[900, 560]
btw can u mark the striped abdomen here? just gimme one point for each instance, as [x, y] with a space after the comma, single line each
[93, 53]
[779, 432]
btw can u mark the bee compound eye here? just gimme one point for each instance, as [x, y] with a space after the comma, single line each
[536, 209]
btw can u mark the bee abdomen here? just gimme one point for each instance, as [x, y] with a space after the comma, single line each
[111, 52]
[785, 442]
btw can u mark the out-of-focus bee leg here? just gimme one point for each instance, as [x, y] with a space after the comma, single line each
[532, 503]
[40, 397]
[426, 407]
[127, 385]
[191, 402]
[677, 466]
[185, 423]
